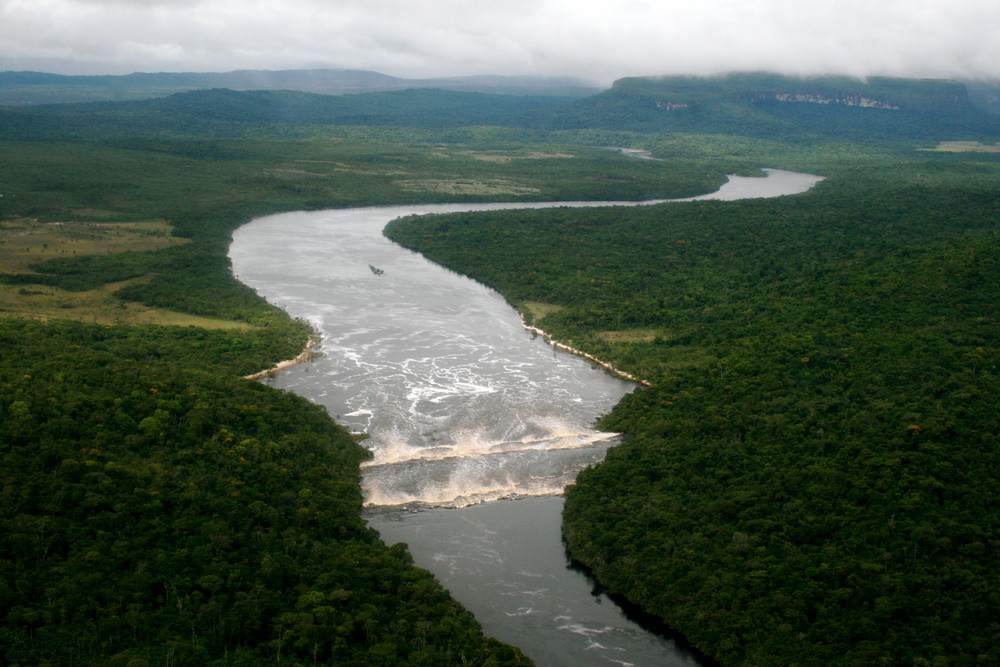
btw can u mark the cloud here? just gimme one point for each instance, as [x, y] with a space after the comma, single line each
[422, 38]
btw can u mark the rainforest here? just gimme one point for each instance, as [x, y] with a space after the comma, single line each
[810, 477]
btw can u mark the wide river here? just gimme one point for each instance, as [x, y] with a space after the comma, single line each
[465, 410]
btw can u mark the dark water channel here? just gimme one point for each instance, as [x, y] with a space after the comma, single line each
[466, 410]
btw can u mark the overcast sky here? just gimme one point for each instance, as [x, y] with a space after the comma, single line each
[597, 40]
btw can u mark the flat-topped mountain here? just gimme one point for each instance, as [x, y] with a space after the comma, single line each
[763, 104]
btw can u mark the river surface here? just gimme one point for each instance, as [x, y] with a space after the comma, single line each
[465, 410]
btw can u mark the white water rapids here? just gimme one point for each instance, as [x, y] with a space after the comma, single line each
[460, 403]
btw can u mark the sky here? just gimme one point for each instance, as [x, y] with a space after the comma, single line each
[593, 40]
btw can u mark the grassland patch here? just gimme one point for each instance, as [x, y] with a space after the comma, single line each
[98, 306]
[506, 156]
[344, 168]
[629, 336]
[538, 310]
[965, 147]
[285, 174]
[24, 242]
[467, 186]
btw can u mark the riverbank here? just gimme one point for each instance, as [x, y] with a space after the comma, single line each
[308, 352]
[547, 337]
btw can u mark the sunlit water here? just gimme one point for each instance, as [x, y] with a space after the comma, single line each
[462, 406]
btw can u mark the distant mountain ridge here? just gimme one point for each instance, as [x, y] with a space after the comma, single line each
[222, 112]
[749, 104]
[30, 88]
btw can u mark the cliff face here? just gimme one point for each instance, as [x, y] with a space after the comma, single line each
[846, 99]
[878, 93]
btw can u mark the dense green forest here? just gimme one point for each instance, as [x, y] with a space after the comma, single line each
[810, 479]
[158, 509]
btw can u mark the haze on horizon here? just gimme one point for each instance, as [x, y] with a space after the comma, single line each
[596, 43]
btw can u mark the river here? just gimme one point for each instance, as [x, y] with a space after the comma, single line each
[465, 410]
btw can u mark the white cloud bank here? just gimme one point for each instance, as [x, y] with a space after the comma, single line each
[598, 41]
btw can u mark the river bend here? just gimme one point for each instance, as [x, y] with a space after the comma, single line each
[463, 406]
